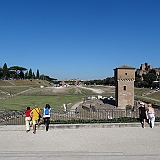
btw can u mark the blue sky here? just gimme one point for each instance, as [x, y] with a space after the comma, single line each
[83, 39]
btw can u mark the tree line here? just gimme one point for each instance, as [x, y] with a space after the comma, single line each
[149, 80]
[18, 72]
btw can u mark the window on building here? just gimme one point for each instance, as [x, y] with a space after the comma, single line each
[124, 88]
[125, 73]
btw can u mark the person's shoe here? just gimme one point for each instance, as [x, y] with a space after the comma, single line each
[34, 132]
[27, 131]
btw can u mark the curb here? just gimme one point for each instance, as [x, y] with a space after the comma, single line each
[75, 126]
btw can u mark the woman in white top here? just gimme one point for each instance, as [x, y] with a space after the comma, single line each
[151, 115]
[46, 116]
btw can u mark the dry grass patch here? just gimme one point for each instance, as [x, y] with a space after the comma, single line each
[4, 83]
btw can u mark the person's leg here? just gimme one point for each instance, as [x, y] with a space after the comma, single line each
[39, 122]
[30, 123]
[34, 127]
[27, 124]
[44, 121]
[26, 121]
[47, 123]
[144, 123]
[152, 121]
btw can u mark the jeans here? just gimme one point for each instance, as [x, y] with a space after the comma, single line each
[47, 122]
[151, 119]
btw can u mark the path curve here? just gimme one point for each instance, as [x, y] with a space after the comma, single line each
[76, 105]
[99, 91]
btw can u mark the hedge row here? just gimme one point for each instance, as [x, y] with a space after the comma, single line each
[115, 120]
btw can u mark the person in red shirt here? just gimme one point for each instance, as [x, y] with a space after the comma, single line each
[28, 118]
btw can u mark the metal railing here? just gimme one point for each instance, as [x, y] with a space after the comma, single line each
[8, 117]
[12, 117]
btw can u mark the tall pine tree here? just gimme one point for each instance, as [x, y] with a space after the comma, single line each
[37, 74]
[5, 71]
[30, 74]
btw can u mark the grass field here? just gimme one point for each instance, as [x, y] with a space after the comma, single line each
[56, 102]
[22, 93]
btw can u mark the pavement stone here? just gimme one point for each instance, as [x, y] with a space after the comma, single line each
[81, 141]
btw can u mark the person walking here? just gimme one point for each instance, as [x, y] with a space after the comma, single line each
[28, 118]
[64, 108]
[35, 114]
[46, 116]
[151, 115]
[76, 110]
[142, 114]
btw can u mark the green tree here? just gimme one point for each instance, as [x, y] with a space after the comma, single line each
[21, 75]
[30, 74]
[138, 82]
[1, 72]
[109, 81]
[17, 71]
[149, 78]
[26, 75]
[33, 75]
[112, 81]
[42, 77]
[5, 72]
[37, 74]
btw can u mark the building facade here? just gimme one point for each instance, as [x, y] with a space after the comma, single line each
[124, 86]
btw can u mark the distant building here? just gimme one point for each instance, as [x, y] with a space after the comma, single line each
[124, 86]
[145, 68]
[71, 82]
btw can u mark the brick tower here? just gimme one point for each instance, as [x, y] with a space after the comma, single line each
[124, 86]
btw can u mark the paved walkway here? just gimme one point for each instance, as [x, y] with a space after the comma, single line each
[74, 142]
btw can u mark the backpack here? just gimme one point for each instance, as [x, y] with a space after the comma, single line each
[46, 112]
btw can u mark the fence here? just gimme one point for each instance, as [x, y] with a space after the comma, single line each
[13, 117]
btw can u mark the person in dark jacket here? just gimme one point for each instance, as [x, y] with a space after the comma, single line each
[142, 114]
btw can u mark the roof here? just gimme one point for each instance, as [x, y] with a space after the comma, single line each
[125, 67]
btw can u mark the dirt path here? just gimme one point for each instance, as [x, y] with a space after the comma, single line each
[76, 105]
[99, 91]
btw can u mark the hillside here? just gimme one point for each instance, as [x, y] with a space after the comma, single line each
[12, 87]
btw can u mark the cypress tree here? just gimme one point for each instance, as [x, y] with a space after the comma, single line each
[37, 74]
[5, 71]
[30, 74]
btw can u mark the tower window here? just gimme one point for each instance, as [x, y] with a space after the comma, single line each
[124, 88]
[125, 73]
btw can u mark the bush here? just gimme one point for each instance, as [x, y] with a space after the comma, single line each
[115, 120]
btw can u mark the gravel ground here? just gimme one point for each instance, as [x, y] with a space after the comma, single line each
[83, 143]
